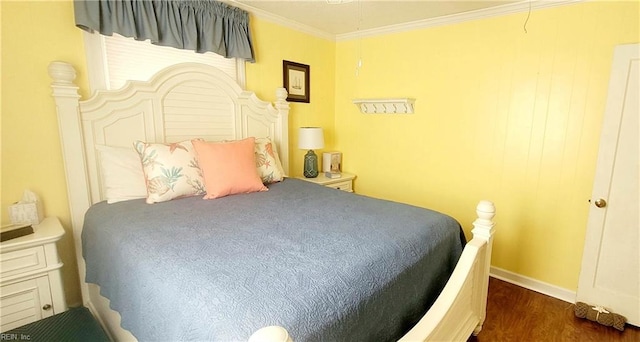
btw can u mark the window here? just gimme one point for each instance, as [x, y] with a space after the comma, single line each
[113, 60]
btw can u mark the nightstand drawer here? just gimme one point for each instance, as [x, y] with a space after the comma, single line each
[22, 261]
[344, 186]
[25, 302]
[344, 183]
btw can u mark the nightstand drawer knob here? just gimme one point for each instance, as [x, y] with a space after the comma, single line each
[46, 307]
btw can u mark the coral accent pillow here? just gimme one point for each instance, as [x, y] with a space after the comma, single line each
[228, 168]
[170, 170]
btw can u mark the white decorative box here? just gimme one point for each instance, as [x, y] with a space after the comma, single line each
[28, 210]
[332, 162]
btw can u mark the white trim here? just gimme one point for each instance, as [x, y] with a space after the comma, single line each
[517, 7]
[282, 21]
[485, 13]
[533, 284]
[241, 73]
[96, 61]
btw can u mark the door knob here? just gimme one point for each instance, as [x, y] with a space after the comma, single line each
[46, 307]
[600, 203]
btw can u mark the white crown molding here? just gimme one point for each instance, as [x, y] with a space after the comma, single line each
[282, 21]
[512, 8]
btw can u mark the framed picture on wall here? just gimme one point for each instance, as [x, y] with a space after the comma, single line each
[296, 81]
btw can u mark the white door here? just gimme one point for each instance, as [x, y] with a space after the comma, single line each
[610, 273]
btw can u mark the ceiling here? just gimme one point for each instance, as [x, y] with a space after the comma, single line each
[343, 17]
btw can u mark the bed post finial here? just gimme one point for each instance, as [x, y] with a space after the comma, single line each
[281, 95]
[62, 73]
[483, 225]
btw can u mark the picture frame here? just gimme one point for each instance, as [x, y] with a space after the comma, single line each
[296, 81]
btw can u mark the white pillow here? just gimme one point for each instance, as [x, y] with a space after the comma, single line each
[122, 175]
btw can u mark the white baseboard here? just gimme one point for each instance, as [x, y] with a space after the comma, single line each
[533, 284]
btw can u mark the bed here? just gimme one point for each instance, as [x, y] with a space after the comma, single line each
[194, 269]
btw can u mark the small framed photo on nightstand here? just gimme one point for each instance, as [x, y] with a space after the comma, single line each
[332, 164]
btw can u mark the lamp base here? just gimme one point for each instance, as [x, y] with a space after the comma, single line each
[310, 165]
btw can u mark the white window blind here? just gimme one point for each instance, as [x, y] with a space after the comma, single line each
[114, 60]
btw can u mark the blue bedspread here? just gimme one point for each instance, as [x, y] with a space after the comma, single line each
[325, 264]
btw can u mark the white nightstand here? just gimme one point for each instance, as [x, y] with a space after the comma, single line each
[345, 182]
[30, 280]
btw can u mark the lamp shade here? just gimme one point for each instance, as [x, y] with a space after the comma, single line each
[310, 138]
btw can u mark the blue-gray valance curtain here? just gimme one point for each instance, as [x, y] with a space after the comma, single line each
[199, 25]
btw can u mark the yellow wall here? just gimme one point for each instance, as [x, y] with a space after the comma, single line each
[34, 34]
[501, 114]
[275, 43]
[30, 148]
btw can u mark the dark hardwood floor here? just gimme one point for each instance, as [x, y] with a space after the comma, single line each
[517, 314]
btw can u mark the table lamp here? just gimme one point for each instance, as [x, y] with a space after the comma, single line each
[310, 138]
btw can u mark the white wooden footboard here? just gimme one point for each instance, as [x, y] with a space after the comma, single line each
[460, 309]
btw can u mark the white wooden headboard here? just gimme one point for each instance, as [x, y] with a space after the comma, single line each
[181, 102]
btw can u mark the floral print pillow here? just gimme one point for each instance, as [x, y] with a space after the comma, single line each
[268, 162]
[170, 170]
